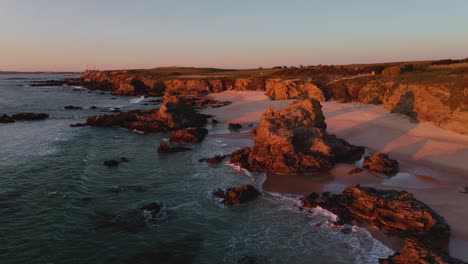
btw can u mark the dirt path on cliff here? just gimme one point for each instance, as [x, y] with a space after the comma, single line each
[433, 161]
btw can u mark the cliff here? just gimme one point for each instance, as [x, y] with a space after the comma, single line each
[428, 96]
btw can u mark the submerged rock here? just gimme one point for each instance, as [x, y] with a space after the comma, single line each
[72, 107]
[125, 188]
[381, 163]
[189, 135]
[294, 140]
[111, 163]
[237, 195]
[215, 159]
[78, 125]
[234, 126]
[6, 119]
[29, 116]
[165, 148]
[133, 220]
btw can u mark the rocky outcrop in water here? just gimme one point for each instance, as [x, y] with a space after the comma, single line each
[215, 159]
[165, 148]
[72, 107]
[416, 252]
[396, 213]
[29, 116]
[234, 126]
[189, 135]
[133, 220]
[237, 195]
[381, 163]
[294, 140]
[6, 119]
[174, 113]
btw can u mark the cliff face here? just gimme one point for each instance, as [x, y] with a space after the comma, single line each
[439, 103]
[130, 83]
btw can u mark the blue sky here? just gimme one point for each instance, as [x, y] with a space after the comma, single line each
[68, 35]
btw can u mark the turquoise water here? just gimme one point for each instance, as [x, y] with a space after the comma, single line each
[53, 187]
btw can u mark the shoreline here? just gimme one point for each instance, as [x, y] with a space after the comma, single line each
[432, 159]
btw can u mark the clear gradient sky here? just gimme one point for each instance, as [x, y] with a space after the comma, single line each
[67, 35]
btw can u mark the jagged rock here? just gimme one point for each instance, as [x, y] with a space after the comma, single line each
[237, 195]
[294, 140]
[416, 252]
[175, 113]
[381, 163]
[164, 148]
[280, 89]
[78, 125]
[72, 107]
[29, 116]
[215, 159]
[214, 121]
[6, 119]
[234, 126]
[189, 135]
[394, 212]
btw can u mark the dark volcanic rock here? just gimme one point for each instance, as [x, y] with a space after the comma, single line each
[234, 126]
[29, 116]
[215, 159]
[6, 119]
[394, 212]
[111, 163]
[294, 140]
[214, 121]
[237, 195]
[416, 252]
[175, 113]
[189, 135]
[164, 148]
[78, 125]
[381, 163]
[133, 220]
[72, 107]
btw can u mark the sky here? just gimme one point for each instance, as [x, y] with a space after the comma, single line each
[68, 35]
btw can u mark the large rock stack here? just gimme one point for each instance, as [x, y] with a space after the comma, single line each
[294, 140]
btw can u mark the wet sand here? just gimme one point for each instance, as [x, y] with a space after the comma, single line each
[433, 161]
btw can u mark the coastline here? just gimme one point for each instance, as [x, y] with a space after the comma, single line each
[432, 159]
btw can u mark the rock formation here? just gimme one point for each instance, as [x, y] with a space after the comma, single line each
[6, 119]
[280, 89]
[237, 195]
[174, 113]
[29, 116]
[189, 135]
[381, 163]
[396, 213]
[416, 252]
[294, 140]
[165, 148]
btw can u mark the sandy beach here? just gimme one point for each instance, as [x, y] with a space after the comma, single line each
[433, 161]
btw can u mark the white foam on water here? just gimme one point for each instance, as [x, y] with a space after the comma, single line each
[136, 100]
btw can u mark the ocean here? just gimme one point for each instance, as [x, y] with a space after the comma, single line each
[55, 191]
